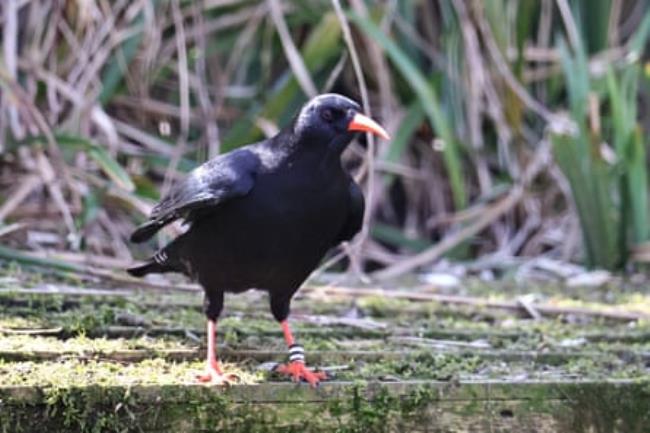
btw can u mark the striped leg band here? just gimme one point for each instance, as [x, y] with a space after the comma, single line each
[296, 353]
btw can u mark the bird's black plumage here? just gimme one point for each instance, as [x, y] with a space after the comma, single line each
[263, 216]
[216, 181]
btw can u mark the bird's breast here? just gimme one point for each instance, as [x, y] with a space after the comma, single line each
[276, 234]
[299, 204]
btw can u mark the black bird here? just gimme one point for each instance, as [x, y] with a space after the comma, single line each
[263, 216]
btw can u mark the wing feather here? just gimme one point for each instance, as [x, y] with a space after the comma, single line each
[218, 180]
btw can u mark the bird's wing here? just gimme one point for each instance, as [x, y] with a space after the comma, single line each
[218, 180]
[214, 182]
[356, 208]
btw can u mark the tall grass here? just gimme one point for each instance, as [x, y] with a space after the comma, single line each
[104, 104]
[606, 163]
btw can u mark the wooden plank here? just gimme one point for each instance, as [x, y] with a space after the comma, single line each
[606, 312]
[287, 392]
[319, 357]
[123, 331]
[420, 406]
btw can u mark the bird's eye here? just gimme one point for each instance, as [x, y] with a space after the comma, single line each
[327, 115]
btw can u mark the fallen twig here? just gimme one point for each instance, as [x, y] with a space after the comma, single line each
[440, 344]
[27, 185]
[10, 228]
[366, 324]
[529, 307]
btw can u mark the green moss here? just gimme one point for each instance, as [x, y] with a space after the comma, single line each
[424, 364]
[76, 372]
[605, 408]
[109, 409]
[82, 344]
[383, 412]
[83, 391]
[378, 306]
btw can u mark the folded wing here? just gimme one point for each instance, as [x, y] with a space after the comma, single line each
[215, 182]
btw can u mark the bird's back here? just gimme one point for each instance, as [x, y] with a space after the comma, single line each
[273, 237]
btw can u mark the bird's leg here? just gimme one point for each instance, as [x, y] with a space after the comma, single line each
[213, 373]
[296, 367]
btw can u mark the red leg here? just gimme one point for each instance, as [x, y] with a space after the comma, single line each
[288, 336]
[296, 367]
[213, 372]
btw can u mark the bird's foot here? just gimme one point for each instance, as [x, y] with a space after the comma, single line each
[299, 371]
[213, 375]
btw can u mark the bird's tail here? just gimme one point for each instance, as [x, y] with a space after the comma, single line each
[145, 268]
[146, 231]
[163, 261]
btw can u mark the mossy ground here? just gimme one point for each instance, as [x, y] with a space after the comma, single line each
[64, 344]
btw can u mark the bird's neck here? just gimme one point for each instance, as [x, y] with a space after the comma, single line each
[293, 149]
[317, 157]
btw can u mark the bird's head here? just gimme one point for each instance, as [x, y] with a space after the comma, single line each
[332, 120]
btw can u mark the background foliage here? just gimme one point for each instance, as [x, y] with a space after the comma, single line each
[519, 128]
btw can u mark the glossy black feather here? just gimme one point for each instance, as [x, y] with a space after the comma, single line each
[222, 178]
[356, 209]
[265, 215]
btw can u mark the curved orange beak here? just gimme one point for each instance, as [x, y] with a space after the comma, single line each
[366, 124]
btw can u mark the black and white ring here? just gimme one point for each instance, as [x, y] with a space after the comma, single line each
[160, 257]
[296, 353]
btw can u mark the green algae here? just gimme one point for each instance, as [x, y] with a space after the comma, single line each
[252, 330]
[79, 372]
[85, 392]
[83, 344]
[99, 409]
[607, 407]
[424, 364]
[361, 407]
[384, 412]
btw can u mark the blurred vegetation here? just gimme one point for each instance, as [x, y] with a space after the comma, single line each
[519, 128]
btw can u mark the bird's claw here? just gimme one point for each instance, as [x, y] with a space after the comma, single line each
[213, 376]
[299, 371]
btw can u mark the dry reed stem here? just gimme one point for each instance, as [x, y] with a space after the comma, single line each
[516, 193]
[293, 56]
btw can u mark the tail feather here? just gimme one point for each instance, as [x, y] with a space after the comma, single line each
[165, 260]
[146, 231]
[147, 267]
